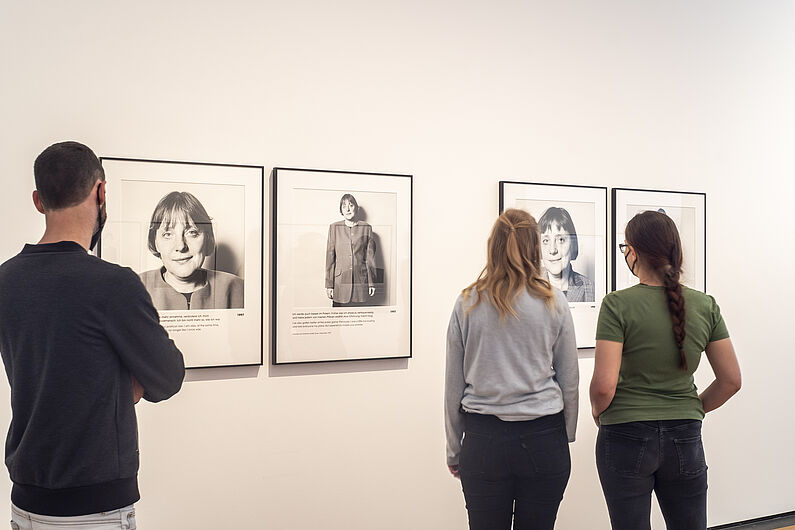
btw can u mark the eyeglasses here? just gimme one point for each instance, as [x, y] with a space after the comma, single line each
[623, 247]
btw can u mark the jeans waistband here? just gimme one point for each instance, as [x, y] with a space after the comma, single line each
[657, 425]
[489, 423]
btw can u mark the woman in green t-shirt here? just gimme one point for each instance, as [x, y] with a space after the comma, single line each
[649, 340]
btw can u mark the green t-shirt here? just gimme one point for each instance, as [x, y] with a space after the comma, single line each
[651, 384]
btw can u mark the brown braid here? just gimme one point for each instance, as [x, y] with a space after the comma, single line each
[656, 240]
[676, 306]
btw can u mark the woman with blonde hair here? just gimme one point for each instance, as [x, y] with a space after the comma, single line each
[511, 385]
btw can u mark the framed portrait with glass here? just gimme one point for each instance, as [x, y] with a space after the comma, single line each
[572, 223]
[342, 265]
[688, 210]
[193, 233]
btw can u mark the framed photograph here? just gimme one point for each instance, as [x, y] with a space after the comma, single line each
[572, 221]
[342, 265]
[688, 211]
[193, 232]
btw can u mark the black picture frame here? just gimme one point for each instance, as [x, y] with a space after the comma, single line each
[692, 229]
[204, 341]
[305, 208]
[585, 206]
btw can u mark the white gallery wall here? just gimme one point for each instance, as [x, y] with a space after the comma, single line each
[679, 95]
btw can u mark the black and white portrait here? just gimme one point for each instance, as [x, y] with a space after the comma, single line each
[568, 244]
[342, 250]
[350, 257]
[560, 247]
[191, 251]
[193, 234]
[572, 226]
[686, 210]
[685, 220]
[343, 265]
[182, 236]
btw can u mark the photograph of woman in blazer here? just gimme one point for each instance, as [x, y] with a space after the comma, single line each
[350, 258]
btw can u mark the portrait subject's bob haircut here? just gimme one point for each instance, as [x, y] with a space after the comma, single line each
[560, 217]
[181, 206]
[350, 198]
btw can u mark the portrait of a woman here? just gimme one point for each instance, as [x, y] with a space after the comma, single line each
[181, 235]
[350, 258]
[559, 247]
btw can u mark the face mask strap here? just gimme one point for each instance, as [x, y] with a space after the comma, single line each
[100, 223]
[632, 267]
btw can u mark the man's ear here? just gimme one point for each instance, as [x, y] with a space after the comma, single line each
[101, 192]
[37, 202]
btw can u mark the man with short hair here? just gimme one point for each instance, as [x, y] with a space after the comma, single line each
[81, 343]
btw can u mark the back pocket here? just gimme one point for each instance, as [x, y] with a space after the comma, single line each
[691, 455]
[474, 451]
[624, 452]
[548, 451]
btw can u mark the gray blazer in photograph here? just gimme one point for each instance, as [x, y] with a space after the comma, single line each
[350, 261]
[581, 288]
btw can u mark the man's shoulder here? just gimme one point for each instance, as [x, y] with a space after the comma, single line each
[108, 269]
[74, 280]
[105, 278]
[77, 263]
[10, 262]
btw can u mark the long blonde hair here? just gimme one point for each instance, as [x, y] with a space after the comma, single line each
[513, 264]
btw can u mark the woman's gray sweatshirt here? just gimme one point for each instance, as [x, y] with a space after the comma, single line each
[514, 368]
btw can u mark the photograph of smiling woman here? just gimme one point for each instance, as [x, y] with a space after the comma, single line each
[559, 248]
[181, 234]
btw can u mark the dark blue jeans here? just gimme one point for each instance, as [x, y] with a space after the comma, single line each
[666, 457]
[514, 471]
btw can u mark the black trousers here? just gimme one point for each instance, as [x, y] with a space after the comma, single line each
[666, 457]
[514, 471]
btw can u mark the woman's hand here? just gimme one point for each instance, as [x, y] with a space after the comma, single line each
[728, 380]
[454, 471]
[330, 294]
[607, 364]
[371, 291]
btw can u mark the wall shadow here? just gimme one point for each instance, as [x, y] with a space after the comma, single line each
[221, 373]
